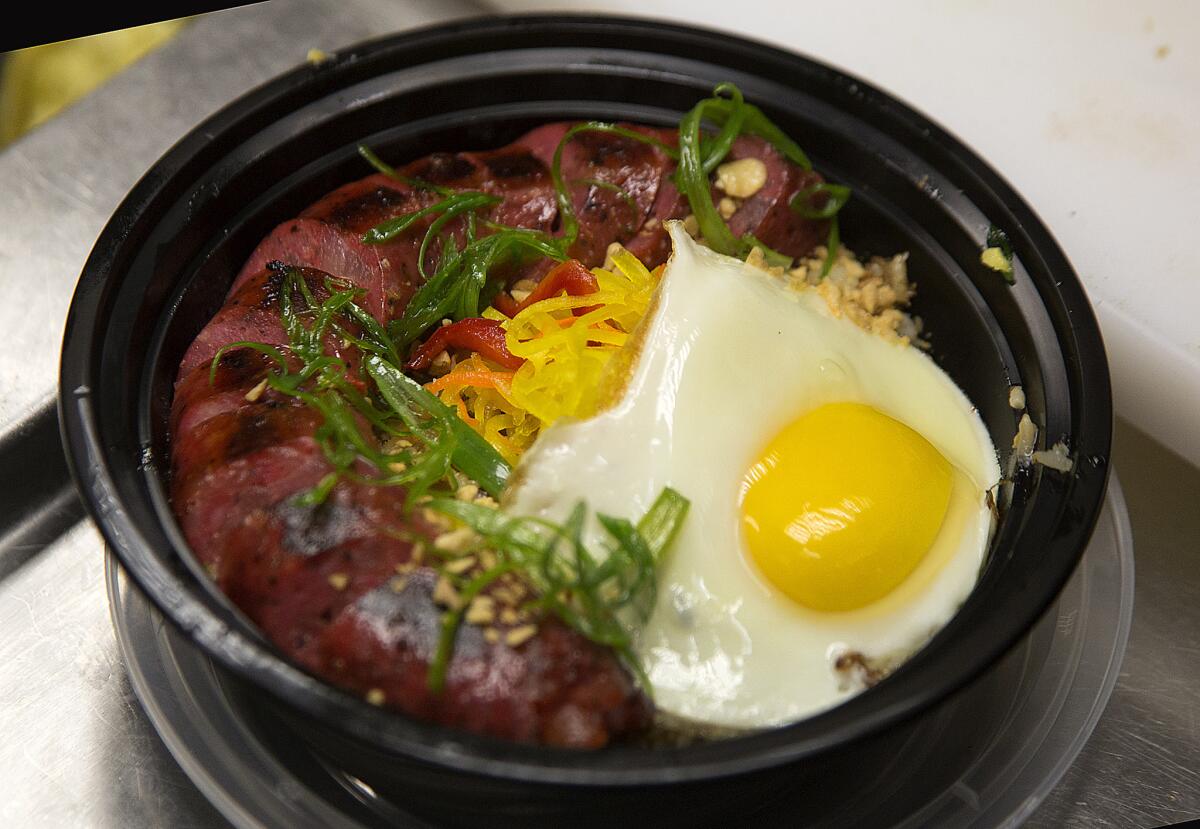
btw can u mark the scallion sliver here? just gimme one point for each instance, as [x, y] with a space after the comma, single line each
[661, 523]
[472, 455]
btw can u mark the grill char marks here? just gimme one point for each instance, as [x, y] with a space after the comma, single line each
[321, 582]
[616, 185]
[303, 573]
[613, 182]
[251, 313]
[549, 690]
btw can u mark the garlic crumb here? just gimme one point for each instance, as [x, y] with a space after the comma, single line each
[482, 611]
[1016, 398]
[441, 364]
[1025, 439]
[610, 256]
[255, 393]
[445, 595]
[1056, 457]
[460, 565]
[742, 178]
[518, 636]
[456, 541]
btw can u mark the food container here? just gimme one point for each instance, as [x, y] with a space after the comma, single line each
[163, 264]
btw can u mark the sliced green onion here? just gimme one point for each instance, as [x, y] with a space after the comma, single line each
[714, 151]
[693, 183]
[838, 195]
[377, 162]
[262, 348]
[771, 257]
[662, 521]
[386, 231]
[756, 123]
[455, 289]
[566, 210]
[471, 454]
[452, 620]
[589, 593]
[698, 158]
[455, 208]
[831, 247]
[390, 171]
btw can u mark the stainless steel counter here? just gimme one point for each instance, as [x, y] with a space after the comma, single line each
[76, 749]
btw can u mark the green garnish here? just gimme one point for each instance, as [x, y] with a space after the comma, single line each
[566, 210]
[699, 156]
[837, 196]
[472, 455]
[451, 206]
[399, 412]
[390, 171]
[714, 150]
[754, 123]
[693, 183]
[463, 277]
[736, 117]
[599, 596]
[662, 521]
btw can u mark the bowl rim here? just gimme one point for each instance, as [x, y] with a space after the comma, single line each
[1080, 495]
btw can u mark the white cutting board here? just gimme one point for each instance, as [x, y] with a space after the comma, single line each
[1091, 110]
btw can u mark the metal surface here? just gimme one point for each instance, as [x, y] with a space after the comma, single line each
[61, 182]
[1142, 766]
[77, 750]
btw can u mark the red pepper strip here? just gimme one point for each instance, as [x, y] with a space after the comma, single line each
[475, 333]
[506, 305]
[570, 276]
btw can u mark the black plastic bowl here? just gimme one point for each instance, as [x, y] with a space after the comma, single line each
[164, 262]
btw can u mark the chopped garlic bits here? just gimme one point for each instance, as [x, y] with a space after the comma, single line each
[742, 178]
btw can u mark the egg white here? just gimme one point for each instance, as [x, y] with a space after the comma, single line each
[728, 357]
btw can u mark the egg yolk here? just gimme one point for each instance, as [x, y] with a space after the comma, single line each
[842, 505]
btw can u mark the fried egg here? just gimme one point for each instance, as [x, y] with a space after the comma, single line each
[837, 485]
